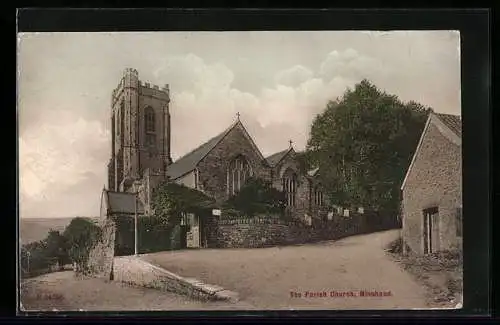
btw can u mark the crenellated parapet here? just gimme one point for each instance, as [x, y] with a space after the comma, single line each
[130, 79]
[147, 89]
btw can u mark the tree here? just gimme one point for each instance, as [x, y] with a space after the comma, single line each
[170, 200]
[34, 257]
[257, 196]
[57, 248]
[81, 235]
[363, 144]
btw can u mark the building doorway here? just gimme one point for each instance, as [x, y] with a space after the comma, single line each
[431, 233]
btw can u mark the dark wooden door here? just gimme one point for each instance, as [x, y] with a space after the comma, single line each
[429, 233]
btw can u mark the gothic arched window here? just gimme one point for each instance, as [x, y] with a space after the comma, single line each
[289, 184]
[238, 172]
[149, 120]
[318, 196]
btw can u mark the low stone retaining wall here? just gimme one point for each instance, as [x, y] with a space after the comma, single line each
[135, 271]
[241, 232]
[249, 233]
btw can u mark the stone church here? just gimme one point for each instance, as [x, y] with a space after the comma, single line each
[141, 157]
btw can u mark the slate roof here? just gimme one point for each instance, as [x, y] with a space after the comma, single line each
[188, 162]
[122, 203]
[454, 122]
[275, 158]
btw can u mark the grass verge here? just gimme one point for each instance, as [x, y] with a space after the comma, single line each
[440, 273]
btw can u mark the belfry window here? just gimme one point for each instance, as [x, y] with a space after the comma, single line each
[238, 172]
[149, 117]
[289, 184]
[149, 120]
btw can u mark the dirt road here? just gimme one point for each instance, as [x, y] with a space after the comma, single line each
[328, 275]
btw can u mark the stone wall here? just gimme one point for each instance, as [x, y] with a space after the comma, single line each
[435, 180]
[100, 260]
[239, 232]
[255, 232]
[135, 271]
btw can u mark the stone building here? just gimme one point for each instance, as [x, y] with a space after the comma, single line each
[140, 131]
[432, 188]
[140, 155]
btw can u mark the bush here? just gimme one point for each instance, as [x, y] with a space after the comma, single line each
[34, 259]
[396, 246]
[170, 200]
[57, 248]
[257, 197]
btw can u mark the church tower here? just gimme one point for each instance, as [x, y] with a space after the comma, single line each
[140, 130]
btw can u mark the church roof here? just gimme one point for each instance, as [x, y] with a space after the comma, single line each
[122, 203]
[275, 158]
[188, 162]
[453, 122]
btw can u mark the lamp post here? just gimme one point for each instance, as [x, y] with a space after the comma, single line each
[135, 225]
[29, 255]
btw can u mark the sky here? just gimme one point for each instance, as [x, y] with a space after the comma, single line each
[277, 81]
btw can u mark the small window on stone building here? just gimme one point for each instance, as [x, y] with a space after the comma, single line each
[459, 222]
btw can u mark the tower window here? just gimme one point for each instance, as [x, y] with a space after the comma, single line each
[149, 117]
[149, 120]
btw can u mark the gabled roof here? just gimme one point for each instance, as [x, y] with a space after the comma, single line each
[188, 162]
[122, 203]
[275, 158]
[451, 122]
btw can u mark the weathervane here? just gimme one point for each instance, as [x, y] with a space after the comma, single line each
[290, 141]
[238, 115]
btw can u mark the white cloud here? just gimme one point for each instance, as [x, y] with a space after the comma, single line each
[294, 76]
[206, 98]
[57, 154]
[349, 64]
